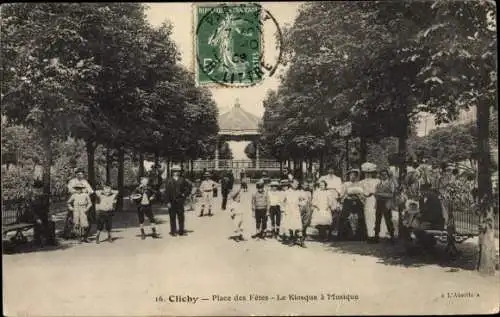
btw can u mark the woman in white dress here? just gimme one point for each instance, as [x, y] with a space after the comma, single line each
[369, 184]
[323, 204]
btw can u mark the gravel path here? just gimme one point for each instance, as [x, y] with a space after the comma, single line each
[135, 277]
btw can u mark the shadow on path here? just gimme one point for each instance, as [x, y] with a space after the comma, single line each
[395, 254]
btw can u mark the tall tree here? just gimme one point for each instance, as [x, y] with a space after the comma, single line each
[43, 71]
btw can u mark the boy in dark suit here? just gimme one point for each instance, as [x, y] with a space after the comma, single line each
[143, 196]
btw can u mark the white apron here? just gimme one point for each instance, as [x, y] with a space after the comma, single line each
[322, 214]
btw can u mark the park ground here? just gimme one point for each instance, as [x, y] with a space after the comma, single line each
[135, 277]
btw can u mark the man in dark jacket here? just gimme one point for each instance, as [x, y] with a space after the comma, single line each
[177, 190]
[227, 182]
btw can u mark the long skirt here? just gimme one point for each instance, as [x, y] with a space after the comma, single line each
[321, 217]
[369, 213]
[352, 220]
[292, 219]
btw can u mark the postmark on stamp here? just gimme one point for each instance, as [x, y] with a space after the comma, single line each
[229, 44]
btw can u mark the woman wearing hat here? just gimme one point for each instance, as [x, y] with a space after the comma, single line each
[352, 223]
[369, 184]
[206, 188]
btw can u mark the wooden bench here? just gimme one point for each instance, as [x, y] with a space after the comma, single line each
[12, 212]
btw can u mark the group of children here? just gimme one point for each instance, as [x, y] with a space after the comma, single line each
[81, 201]
[286, 206]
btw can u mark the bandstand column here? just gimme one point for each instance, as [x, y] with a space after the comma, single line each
[257, 154]
[217, 154]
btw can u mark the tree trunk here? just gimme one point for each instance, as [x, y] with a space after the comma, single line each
[363, 150]
[168, 167]
[90, 147]
[46, 165]
[346, 155]
[321, 162]
[487, 256]
[158, 169]
[309, 166]
[191, 168]
[121, 177]
[402, 150]
[289, 162]
[109, 165]
[141, 166]
[281, 167]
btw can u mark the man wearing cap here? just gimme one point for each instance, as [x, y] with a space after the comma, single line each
[177, 189]
[384, 193]
[80, 180]
[206, 189]
[333, 182]
[227, 182]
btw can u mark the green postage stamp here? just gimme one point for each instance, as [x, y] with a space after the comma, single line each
[228, 44]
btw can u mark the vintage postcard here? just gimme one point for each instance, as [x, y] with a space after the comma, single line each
[249, 158]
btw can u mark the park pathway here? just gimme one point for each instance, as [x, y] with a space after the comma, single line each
[135, 277]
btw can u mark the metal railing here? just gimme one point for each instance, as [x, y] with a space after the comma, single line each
[237, 164]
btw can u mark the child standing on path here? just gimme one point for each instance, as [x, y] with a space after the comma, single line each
[236, 214]
[260, 208]
[324, 204]
[143, 196]
[275, 202]
[292, 220]
[79, 204]
[105, 206]
[206, 188]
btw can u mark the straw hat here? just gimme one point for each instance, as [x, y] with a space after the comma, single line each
[353, 170]
[274, 183]
[79, 170]
[176, 168]
[368, 167]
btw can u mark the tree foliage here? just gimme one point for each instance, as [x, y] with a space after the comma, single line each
[99, 72]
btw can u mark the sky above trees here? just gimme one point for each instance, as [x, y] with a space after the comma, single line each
[181, 17]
